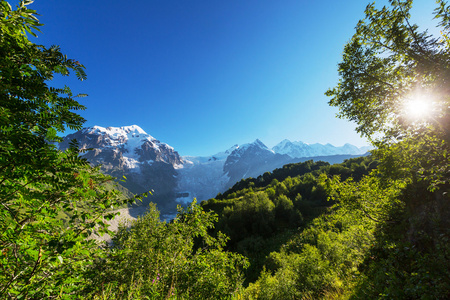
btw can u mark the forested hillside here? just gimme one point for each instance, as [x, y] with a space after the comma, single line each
[261, 214]
[370, 228]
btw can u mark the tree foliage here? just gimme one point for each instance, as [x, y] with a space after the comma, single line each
[394, 85]
[389, 65]
[387, 235]
[175, 260]
[51, 201]
[263, 214]
[386, 63]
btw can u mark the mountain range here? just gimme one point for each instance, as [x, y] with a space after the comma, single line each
[149, 164]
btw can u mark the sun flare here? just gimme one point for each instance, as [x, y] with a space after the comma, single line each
[417, 107]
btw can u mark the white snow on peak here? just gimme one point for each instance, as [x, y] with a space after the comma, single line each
[261, 145]
[283, 144]
[130, 139]
[231, 149]
[224, 155]
[134, 129]
[300, 149]
[120, 135]
[257, 143]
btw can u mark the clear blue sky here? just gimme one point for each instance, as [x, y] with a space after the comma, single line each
[202, 75]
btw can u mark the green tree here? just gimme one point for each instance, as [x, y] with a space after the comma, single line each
[178, 260]
[394, 85]
[51, 201]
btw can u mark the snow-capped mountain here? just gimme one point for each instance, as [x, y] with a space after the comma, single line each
[150, 164]
[129, 147]
[251, 160]
[129, 151]
[300, 149]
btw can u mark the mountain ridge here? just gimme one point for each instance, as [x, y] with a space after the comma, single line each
[299, 149]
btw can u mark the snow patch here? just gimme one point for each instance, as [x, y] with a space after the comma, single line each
[178, 166]
[132, 164]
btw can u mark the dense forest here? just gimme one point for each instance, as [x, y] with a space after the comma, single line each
[372, 227]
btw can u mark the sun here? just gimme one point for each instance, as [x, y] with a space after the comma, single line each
[418, 107]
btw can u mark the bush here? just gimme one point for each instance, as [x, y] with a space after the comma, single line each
[177, 259]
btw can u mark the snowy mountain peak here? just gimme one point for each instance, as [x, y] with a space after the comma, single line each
[255, 148]
[232, 149]
[284, 143]
[133, 129]
[129, 146]
[260, 144]
[300, 149]
[121, 133]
